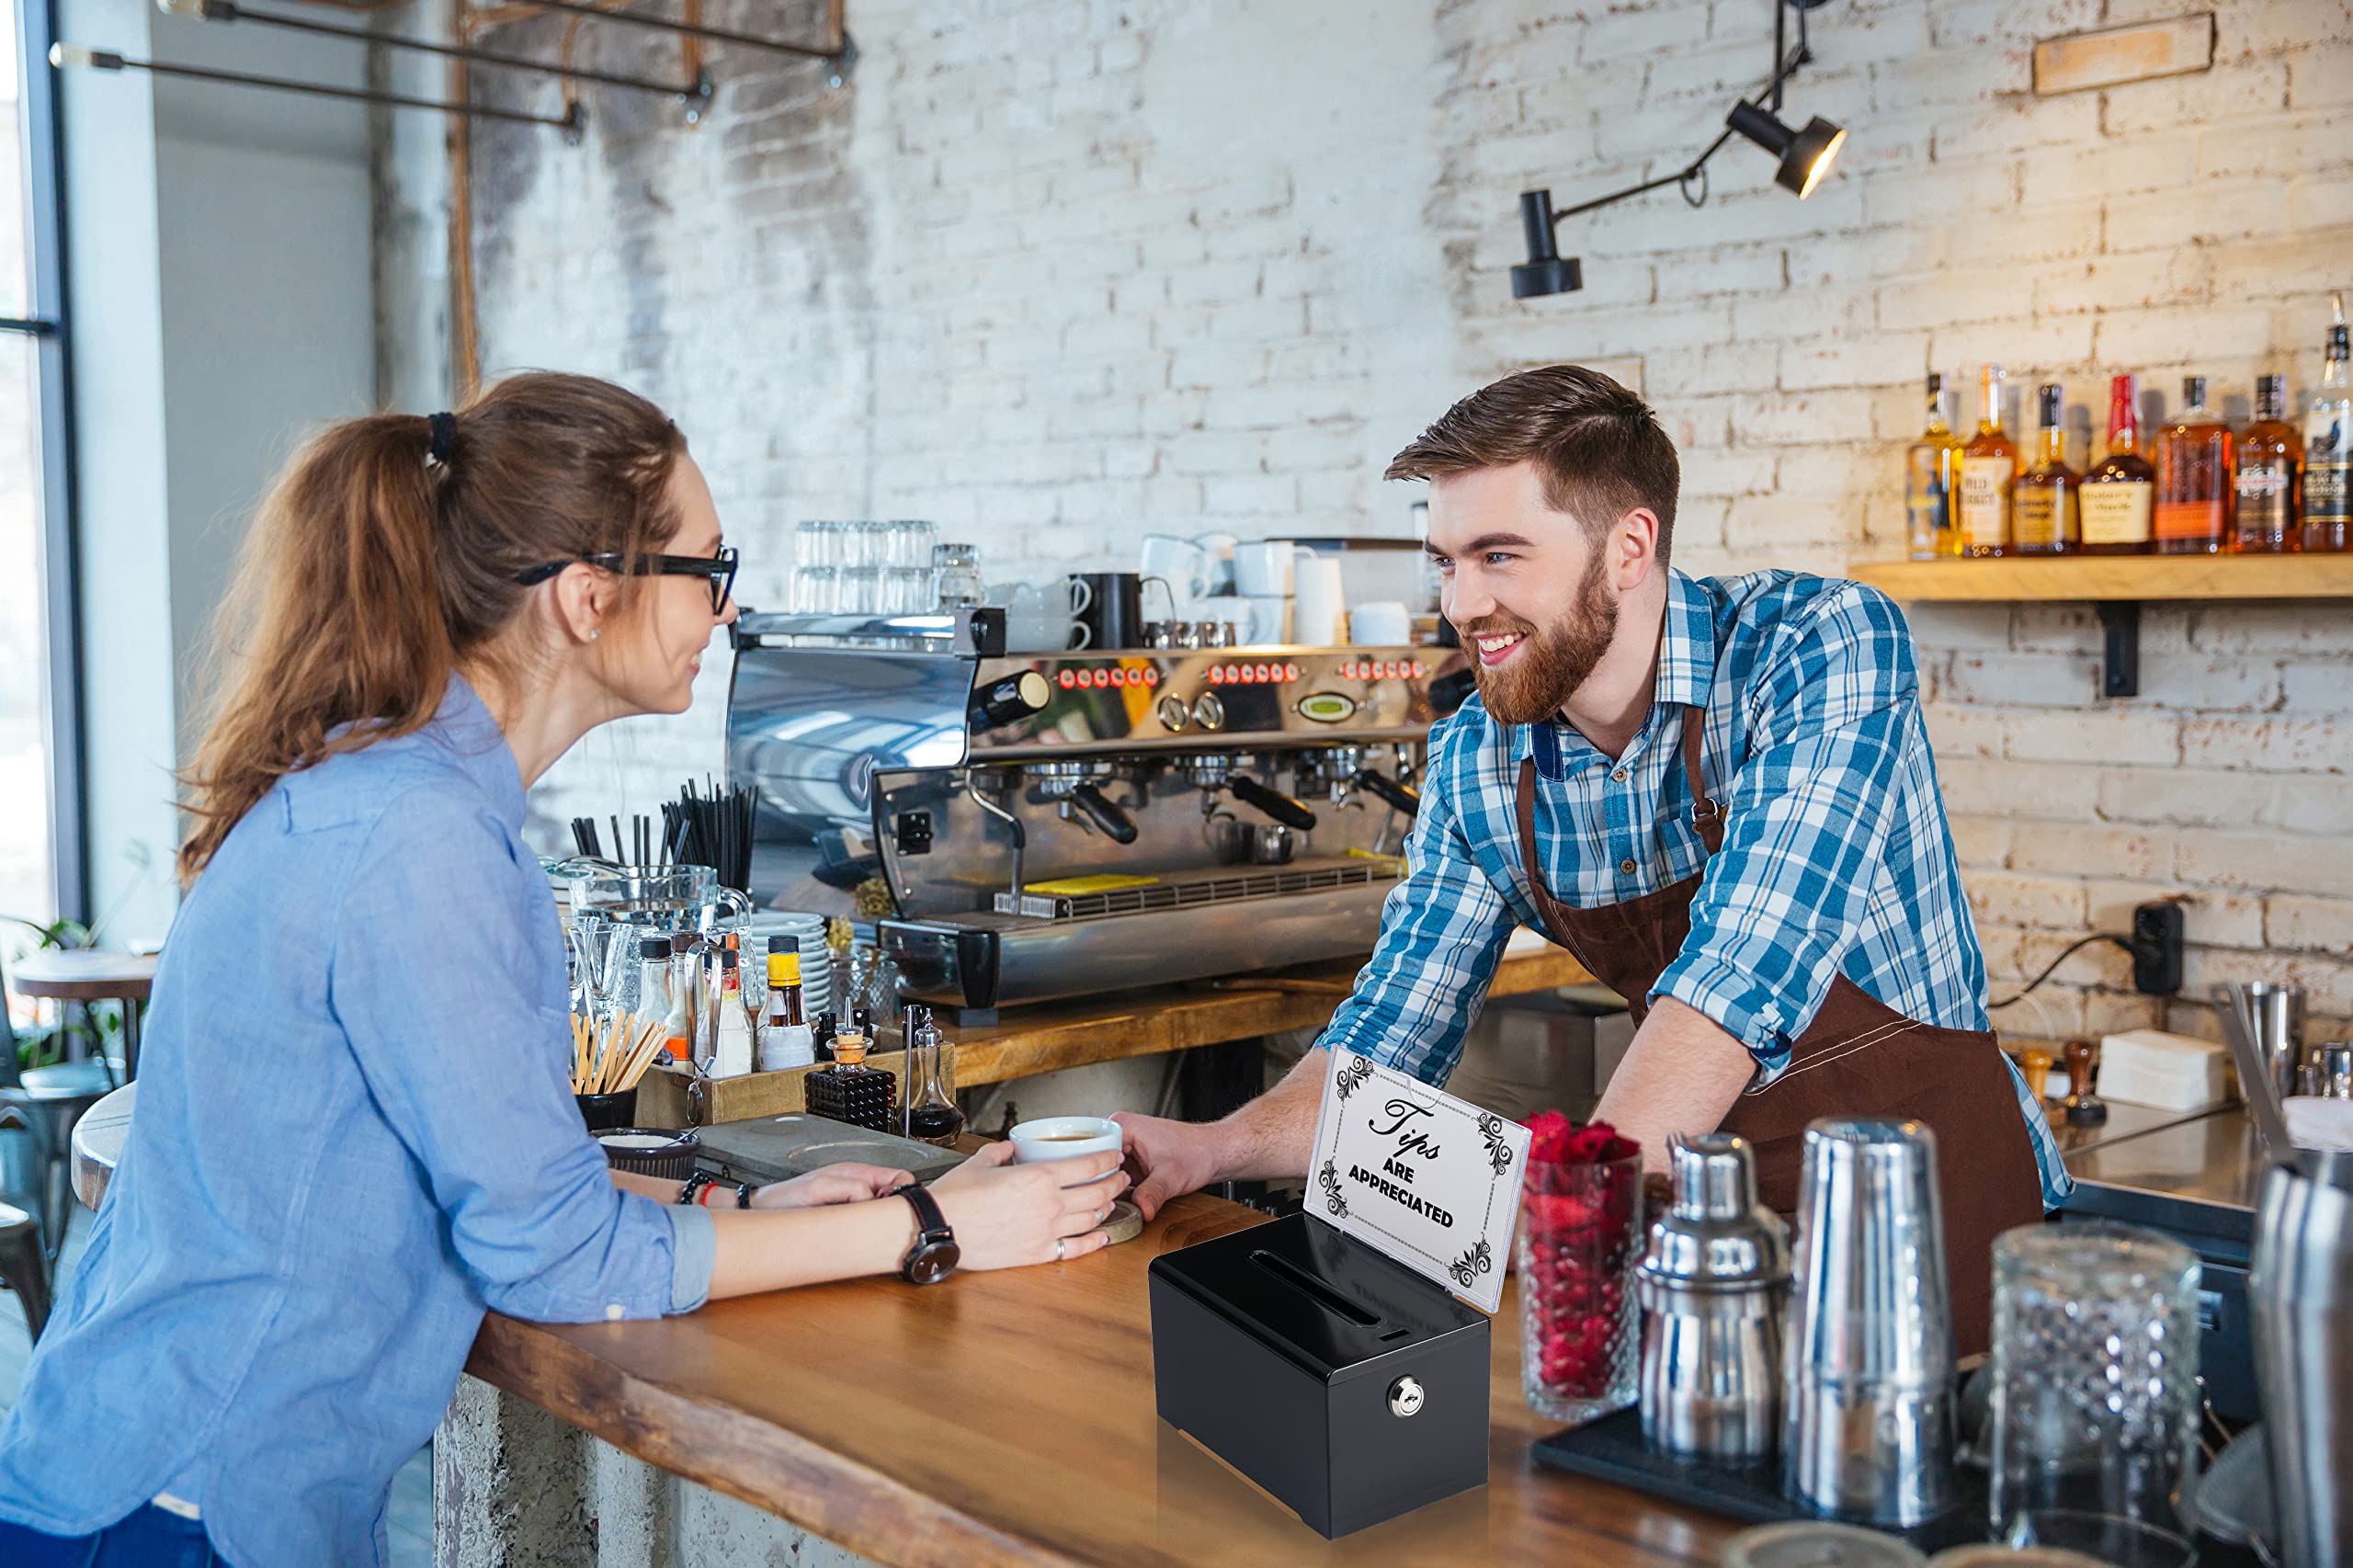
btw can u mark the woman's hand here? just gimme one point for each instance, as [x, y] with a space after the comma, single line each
[1006, 1215]
[844, 1182]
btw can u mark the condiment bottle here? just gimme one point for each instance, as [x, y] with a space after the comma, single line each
[732, 1055]
[934, 1117]
[678, 1018]
[784, 1039]
[653, 978]
[847, 1090]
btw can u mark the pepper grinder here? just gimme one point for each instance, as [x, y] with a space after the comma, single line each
[2083, 1108]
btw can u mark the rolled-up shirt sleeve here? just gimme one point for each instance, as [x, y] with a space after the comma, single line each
[1442, 932]
[1784, 903]
[469, 1061]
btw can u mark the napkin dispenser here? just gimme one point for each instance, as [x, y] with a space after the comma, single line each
[1343, 1383]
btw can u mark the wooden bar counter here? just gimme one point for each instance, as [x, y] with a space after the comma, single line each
[998, 1418]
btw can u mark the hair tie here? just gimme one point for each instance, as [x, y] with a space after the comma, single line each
[444, 427]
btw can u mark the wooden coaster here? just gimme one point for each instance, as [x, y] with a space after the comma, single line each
[1126, 1222]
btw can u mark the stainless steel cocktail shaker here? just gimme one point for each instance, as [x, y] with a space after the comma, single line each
[1711, 1286]
[1871, 1420]
[2299, 1291]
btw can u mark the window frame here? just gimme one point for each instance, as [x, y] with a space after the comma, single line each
[58, 547]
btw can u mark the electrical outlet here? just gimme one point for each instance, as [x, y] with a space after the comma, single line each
[2157, 930]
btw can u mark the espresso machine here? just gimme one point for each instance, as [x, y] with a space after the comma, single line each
[1057, 824]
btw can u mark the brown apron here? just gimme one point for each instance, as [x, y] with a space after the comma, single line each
[1859, 1057]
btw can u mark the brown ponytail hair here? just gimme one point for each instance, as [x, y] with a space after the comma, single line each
[379, 565]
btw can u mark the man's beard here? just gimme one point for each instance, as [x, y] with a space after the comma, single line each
[1537, 681]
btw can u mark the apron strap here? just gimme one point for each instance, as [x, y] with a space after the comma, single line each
[1707, 816]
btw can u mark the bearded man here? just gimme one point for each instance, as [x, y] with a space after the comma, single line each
[1717, 793]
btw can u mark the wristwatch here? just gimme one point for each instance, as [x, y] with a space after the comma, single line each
[934, 1255]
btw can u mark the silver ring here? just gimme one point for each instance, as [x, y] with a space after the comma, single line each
[1059, 1242]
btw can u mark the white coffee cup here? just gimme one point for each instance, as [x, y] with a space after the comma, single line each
[1065, 1137]
[1264, 569]
[1319, 609]
[1381, 624]
[1218, 549]
[1179, 563]
[1265, 621]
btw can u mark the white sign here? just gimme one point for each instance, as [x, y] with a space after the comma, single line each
[1431, 1180]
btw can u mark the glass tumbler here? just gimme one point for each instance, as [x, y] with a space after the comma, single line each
[815, 589]
[956, 575]
[2094, 1418]
[1580, 1237]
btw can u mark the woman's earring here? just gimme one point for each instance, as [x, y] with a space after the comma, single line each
[592, 634]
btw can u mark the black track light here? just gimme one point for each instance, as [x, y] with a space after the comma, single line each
[1545, 271]
[1806, 155]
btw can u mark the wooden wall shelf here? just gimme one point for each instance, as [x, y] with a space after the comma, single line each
[2117, 586]
[2135, 578]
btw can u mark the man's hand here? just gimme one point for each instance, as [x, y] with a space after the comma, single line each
[844, 1182]
[1169, 1159]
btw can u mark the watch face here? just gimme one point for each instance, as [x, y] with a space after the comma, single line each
[933, 1262]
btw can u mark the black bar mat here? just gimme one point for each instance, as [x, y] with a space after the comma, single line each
[1612, 1449]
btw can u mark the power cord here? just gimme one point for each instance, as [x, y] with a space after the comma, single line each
[2069, 951]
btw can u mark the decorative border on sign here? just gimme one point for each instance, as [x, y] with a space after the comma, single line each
[1334, 1199]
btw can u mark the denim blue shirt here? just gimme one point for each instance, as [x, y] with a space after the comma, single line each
[1837, 859]
[354, 1134]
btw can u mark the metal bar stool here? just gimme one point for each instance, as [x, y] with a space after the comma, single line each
[24, 1267]
[46, 1101]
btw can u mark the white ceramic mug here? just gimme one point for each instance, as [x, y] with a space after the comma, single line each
[1265, 620]
[1218, 549]
[1381, 624]
[1264, 570]
[1319, 607]
[1065, 1137]
[1179, 563]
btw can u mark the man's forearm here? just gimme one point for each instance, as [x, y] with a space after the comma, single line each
[1273, 1137]
[1682, 1074]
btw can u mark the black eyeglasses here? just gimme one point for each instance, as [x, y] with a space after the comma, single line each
[718, 570]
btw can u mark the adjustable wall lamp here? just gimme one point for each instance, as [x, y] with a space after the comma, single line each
[1805, 158]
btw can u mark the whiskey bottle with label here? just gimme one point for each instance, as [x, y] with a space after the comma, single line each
[2194, 478]
[2042, 501]
[2116, 495]
[1988, 464]
[1931, 481]
[2270, 464]
[2328, 448]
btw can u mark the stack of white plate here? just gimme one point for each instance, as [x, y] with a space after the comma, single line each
[778, 931]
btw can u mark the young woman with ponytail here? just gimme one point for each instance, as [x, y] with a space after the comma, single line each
[355, 1133]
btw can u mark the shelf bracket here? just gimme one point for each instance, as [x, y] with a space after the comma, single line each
[2120, 668]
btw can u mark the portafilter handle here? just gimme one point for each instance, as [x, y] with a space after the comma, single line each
[1399, 794]
[1115, 823]
[1272, 802]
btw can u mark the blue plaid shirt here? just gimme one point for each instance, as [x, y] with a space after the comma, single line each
[1837, 858]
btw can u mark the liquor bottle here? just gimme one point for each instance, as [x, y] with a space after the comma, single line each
[2270, 463]
[847, 1090]
[2042, 501]
[2116, 495]
[2194, 478]
[1932, 476]
[2328, 448]
[933, 1116]
[1988, 464]
[784, 1041]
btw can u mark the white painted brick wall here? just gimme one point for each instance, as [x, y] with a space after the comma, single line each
[1055, 273]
